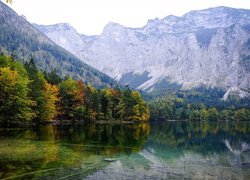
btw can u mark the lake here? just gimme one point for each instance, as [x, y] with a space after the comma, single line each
[166, 150]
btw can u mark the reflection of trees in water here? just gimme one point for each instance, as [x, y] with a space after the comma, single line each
[202, 137]
[199, 147]
[123, 138]
[51, 147]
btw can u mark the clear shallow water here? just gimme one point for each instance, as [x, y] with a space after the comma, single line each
[171, 150]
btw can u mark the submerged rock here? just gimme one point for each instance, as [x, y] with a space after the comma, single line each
[110, 159]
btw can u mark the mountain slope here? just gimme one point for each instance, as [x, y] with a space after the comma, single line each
[208, 47]
[21, 39]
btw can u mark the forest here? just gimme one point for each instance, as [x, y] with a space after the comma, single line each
[198, 104]
[29, 95]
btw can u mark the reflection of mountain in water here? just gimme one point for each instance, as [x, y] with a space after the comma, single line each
[237, 149]
[182, 150]
[176, 150]
[171, 141]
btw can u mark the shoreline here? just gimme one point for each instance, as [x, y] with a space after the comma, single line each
[67, 122]
[101, 122]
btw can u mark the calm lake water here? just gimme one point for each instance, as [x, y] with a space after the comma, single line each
[171, 150]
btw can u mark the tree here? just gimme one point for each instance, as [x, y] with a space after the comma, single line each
[115, 97]
[104, 103]
[225, 114]
[9, 1]
[46, 103]
[72, 99]
[204, 114]
[126, 105]
[213, 114]
[52, 77]
[240, 115]
[140, 109]
[195, 115]
[90, 114]
[15, 105]
[67, 91]
[44, 94]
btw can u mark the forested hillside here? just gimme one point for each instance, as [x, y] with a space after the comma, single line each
[21, 40]
[28, 95]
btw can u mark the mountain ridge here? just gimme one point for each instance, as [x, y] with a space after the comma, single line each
[205, 47]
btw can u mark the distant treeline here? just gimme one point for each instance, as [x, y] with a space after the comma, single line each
[198, 107]
[27, 94]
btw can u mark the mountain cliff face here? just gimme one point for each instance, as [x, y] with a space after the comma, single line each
[21, 39]
[209, 47]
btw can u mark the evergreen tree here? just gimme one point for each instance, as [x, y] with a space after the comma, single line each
[44, 94]
[52, 77]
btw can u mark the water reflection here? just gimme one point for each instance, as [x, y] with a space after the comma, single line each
[201, 137]
[201, 150]
[58, 151]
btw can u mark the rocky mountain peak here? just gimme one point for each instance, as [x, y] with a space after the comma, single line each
[171, 19]
[112, 28]
[64, 35]
[207, 47]
[55, 27]
[218, 17]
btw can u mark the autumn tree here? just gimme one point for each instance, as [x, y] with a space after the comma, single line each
[72, 99]
[9, 1]
[44, 94]
[15, 104]
[140, 109]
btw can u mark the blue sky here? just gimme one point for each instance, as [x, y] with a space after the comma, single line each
[90, 16]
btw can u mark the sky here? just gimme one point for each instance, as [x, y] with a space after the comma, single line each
[90, 16]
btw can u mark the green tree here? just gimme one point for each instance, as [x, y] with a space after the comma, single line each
[195, 115]
[44, 94]
[213, 114]
[104, 103]
[52, 77]
[15, 105]
[140, 109]
[241, 115]
[69, 94]
[224, 114]
[204, 114]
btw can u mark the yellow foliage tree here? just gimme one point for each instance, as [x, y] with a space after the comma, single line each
[14, 101]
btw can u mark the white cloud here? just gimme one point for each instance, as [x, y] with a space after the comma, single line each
[90, 16]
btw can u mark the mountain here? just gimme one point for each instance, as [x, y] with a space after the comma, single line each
[21, 39]
[208, 47]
